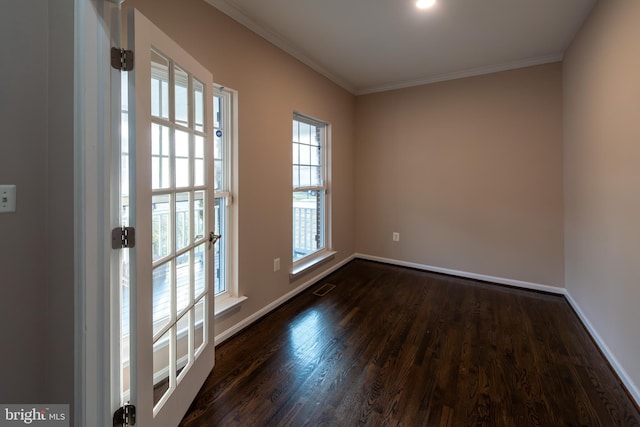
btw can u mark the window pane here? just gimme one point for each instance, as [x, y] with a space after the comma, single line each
[219, 247]
[161, 232]
[308, 222]
[199, 215]
[159, 85]
[222, 183]
[217, 111]
[296, 154]
[199, 270]
[200, 313]
[161, 369]
[305, 154]
[305, 133]
[315, 178]
[183, 279]
[308, 171]
[161, 296]
[198, 101]
[181, 96]
[160, 171]
[183, 220]
[315, 134]
[217, 146]
[182, 343]
[182, 159]
[315, 156]
[296, 176]
[296, 130]
[305, 176]
[199, 161]
[217, 185]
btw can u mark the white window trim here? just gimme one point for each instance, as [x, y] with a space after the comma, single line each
[313, 260]
[230, 298]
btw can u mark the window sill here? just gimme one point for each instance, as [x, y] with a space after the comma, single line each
[310, 264]
[226, 304]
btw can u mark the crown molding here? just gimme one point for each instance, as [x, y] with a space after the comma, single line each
[239, 15]
[471, 72]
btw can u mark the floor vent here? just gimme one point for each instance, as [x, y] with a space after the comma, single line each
[324, 289]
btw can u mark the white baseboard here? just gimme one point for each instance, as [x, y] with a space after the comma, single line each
[229, 332]
[613, 361]
[622, 374]
[465, 274]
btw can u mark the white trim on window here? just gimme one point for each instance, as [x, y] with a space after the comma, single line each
[316, 187]
[230, 297]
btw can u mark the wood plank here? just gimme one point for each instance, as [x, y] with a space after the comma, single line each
[396, 346]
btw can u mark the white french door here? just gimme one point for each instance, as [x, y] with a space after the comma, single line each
[167, 346]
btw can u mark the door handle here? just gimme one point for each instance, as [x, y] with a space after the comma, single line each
[213, 238]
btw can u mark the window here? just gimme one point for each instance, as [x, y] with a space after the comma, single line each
[310, 191]
[224, 129]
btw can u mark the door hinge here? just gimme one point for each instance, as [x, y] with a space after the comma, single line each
[125, 416]
[123, 237]
[121, 59]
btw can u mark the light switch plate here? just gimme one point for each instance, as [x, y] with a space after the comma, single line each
[7, 198]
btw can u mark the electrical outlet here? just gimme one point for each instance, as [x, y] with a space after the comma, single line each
[276, 264]
[396, 236]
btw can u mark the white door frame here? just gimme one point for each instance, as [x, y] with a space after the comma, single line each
[96, 30]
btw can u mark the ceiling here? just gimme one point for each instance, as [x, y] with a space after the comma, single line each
[370, 46]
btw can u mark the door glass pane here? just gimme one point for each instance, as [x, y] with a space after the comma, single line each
[182, 159]
[183, 220]
[161, 370]
[200, 314]
[161, 226]
[159, 85]
[198, 104]
[182, 96]
[199, 269]
[198, 215]
[199, 161]
[183, 279]
[160, 171]
[182, 344]
[161, 296]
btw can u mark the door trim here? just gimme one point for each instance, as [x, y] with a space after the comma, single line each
[96, 28]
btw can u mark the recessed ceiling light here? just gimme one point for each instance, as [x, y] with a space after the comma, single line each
[425, 4]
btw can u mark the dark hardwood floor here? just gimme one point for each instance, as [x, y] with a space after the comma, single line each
[392, 346]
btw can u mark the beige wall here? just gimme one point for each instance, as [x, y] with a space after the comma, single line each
[60, 205]
[469, 172]
[36, 243]
[602, 176]
[23, 150]
[271, 85]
